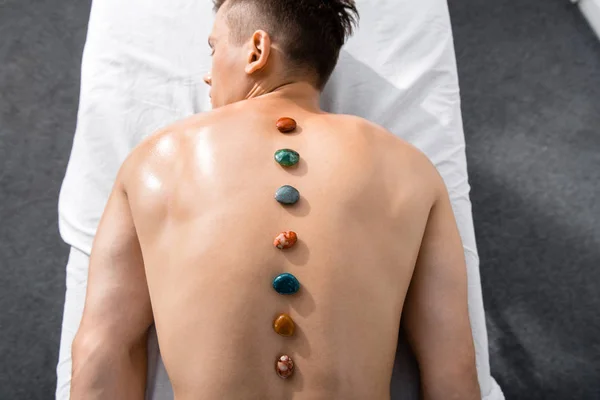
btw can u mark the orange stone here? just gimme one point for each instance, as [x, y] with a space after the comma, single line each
[286, 125]
[284, 325]
[285, 240]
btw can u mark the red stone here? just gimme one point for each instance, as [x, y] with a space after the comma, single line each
[286, 125]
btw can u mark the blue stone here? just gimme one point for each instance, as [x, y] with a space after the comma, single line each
[287, 195]
[286, 283]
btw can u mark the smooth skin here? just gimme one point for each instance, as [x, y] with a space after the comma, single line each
[186, 243]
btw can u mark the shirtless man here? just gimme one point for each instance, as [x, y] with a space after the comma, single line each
[187, 238]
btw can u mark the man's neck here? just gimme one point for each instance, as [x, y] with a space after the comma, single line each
[302, 94]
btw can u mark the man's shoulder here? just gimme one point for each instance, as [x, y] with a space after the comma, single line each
[395, 154]
[168, 144]
[367, 128]
[165, 143]
[156, 156]
[383, 141]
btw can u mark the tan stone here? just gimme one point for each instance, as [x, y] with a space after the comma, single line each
[284, 325]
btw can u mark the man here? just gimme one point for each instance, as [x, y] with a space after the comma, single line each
[186, 240]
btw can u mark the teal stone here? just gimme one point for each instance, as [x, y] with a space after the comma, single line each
[286, 283]
[287, 195]
[287, 157]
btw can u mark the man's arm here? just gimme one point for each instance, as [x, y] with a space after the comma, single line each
[436, 317]
[109, 350]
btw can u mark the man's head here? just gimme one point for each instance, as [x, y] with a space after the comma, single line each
[258, 45]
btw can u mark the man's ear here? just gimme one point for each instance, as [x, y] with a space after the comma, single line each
[260, 48]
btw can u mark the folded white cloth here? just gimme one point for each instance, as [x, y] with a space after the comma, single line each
[142, 69]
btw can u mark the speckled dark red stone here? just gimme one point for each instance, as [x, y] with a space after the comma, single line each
[284, 366]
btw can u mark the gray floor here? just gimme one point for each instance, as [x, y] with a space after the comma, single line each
[40, 54]
[530, 80]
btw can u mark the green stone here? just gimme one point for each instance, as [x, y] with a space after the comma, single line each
[287, 157]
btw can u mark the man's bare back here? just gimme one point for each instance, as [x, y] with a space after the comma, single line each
[187, 242]
[201, 197]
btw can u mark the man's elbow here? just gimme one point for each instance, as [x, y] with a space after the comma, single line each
[459, 383]
[104, 367]
[91, 356]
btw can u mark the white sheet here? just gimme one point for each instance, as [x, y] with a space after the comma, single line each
[142, 69]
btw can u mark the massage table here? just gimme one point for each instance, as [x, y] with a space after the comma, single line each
[142, 69]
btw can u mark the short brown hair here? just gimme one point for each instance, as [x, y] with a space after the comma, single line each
[311, 32]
